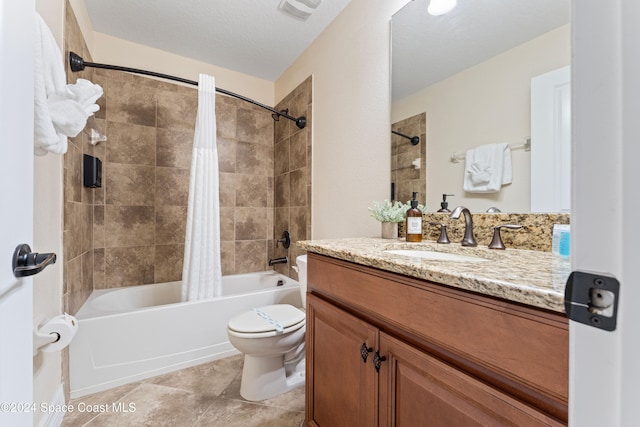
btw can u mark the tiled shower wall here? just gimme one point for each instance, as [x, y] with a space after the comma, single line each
[131, 231]
[293, 175]
[78, 200]
[406, 177]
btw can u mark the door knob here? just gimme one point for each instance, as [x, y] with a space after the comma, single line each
[27, 263]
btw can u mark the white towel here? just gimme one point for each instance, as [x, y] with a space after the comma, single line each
[49, 78]
[487, 168]
[60, 110]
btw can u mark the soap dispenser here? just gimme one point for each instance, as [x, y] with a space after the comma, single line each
[413, 225]
[444, 206]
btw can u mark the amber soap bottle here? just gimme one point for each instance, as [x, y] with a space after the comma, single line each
[413, 225]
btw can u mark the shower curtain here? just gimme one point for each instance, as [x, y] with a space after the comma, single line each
[202, 270]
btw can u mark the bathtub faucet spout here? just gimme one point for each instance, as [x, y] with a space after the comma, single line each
[275, 261]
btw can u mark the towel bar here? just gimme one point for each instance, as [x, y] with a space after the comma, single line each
[457, 157]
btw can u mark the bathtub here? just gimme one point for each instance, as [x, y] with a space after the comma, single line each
[132, 333]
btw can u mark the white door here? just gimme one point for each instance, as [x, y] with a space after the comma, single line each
[17, 26]
[551, 141]
[605, 366]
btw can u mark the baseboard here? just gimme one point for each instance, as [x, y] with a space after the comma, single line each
[54, 418]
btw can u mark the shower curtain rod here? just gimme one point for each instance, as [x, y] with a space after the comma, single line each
[415, 140]
[78, 64]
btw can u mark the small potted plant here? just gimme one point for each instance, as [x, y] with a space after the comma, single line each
[389, 214]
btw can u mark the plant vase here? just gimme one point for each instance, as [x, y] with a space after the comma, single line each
[389, 230]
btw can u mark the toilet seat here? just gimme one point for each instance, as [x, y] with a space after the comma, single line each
[267, 321]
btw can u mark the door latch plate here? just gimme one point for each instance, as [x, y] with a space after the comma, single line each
[592, 299]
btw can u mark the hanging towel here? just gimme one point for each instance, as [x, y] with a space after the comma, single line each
[202, 268]
[60, 110]
[487, 168]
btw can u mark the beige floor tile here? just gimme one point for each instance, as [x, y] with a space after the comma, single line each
[82, 413]
[204, 395]
[236, 413]
[155, 405]
[209, 379]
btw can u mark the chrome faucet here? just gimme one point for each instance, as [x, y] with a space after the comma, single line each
[282, 260]
[468, 239]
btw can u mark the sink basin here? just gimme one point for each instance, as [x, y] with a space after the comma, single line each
[436, 256]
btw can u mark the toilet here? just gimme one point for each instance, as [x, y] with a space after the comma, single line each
[272, 341]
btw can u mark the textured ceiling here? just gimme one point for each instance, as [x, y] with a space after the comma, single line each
[427, 49]
[255, 38]
[249, 36]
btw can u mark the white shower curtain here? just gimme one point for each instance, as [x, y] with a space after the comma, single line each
[202, 270]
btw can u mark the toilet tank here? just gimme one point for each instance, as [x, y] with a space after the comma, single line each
[301, 262]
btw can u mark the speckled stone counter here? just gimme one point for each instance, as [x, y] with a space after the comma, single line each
[533, 278]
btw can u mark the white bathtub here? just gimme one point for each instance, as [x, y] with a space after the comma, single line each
[128, 334]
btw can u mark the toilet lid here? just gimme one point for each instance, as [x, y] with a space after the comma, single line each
[266, 319]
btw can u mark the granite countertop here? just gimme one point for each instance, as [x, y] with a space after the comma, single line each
[533, 278]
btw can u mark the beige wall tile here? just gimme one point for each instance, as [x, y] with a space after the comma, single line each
[73, 271]
[251, 190]
[174, 147]
[253, 158]
[226, 154]
[227, 190]
[251, 224]
[251, 256]
[298, 151]
[72, 234]
[227, 224]
[131, 144]
[172, 187]
[177, 110]
[98, 268]
[255, 126]
[73, 178]
[128, 102]
[227, 255]
[226, 119]
[170, 225]
[130, 185]
[282, 190]
[281, 157]
[298, 188]
[129, 266]
[98, 226]
[168, 263]
[129, 226]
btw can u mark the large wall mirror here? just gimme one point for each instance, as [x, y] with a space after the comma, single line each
[468, 74]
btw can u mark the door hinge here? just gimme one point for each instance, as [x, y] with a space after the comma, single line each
[592, 299]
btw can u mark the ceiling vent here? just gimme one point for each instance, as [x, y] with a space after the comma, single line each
[299, 9]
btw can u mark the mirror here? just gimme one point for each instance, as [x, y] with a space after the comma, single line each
[469, 73]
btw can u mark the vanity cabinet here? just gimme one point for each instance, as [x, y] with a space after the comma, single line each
[446, 357]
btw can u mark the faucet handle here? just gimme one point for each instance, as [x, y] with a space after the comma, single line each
[443, 232]
[496, 242]
[285, 240]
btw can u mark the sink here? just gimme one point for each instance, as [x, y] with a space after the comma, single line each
[435, 256]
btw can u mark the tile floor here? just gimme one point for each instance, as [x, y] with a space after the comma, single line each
[204, 395]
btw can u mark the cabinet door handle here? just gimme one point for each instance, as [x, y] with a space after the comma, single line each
[364, 351]
[377, 361]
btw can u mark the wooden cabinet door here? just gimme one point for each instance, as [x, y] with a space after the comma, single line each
[417, 389]
[341, 386]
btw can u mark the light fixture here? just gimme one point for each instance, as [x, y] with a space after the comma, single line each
[440, 7]
[299, 9]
